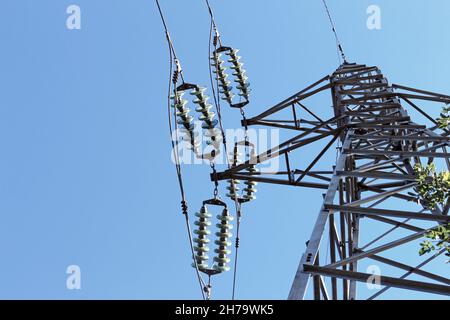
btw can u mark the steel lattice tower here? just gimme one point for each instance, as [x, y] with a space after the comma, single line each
[375, 165]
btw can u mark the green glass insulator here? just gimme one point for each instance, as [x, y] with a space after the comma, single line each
[224, 234]
[179, 95]
[232, 52]
[226, 88]
[207, 116]
[235, 183]
[217, 61]
[210, 124]
[202, 223]
[200, 266]
[198, 91]
[233, 189]
[183, 112]
[216, 56]
[234, 59]
[222, 260]
[225, 218]
[223, 243]
[201, 101]
[185, 120]
[243, 87]
[250, 190]
[180, 104]
[228, 98]
[237, 65]
[201, 248]
[201, 240]
[222, 251]
[202, 257]
[221, 268]
[224, 228]
[222, 74]
[202, 232]
[219, 71]
[203, 213]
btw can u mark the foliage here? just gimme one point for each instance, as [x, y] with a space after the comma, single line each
[433, 188]
[444, 120]
[439, 239]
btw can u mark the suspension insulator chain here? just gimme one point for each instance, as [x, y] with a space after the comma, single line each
[222, 242]
[185, 120]
[250, 190]
[238, 73]
[233, 186]
[201, 248]
[213, 134]
[221, 75]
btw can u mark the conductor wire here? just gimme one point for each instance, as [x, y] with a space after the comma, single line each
[172, 57]
[216, 95]
[169, 39]
[213, 21]
[333, 28]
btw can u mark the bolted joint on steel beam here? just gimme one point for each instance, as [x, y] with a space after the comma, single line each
[245, 123]
[218, 176]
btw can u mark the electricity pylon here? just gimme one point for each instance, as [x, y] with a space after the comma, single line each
[372, 182]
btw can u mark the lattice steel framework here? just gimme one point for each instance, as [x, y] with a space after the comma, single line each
[375, 165]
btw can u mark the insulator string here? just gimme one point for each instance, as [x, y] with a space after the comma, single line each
[217, 41]
[180, 179]
[215, 90]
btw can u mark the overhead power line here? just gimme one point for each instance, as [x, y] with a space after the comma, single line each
[172, 81]
[333, 28]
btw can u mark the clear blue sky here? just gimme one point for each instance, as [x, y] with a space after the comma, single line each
[85, 170]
